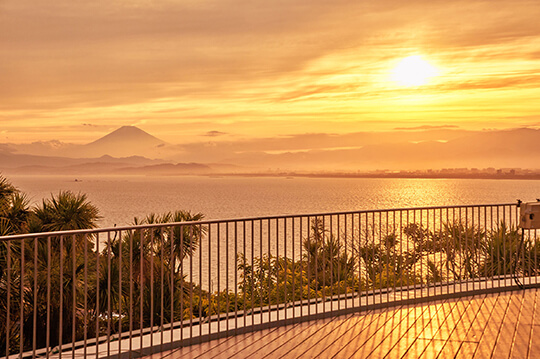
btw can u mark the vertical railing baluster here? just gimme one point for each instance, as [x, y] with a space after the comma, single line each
[210, 275]
[307, 271]
[235, 278]
[403, 264]
[218, 260]
[48, 331]
[190, 282]
[381, 263]
[151, 254]
[172, 285]
[227, 289]
[85, 320]
[427, 255]
[294, 265]
[394, 244]
[109, 292]
[131, 234]
[8, 297]
[162, 283]
[468, 247]
[323, 265]
[535, 256]
[277, 271]
[420, 252]
[485, 239]
[97, 312]
[505, 259]
[172, 271]
[285, 256]
[21, 303]
[413, 273]
[244, 251]
[311, 268]
[346, 280]
[360, 249]
[120, 291]
[61, 295]
[73, 295]
[441, 251]
[200, 235]
[389, 275]
[269, 230]
[141, 285]
[260, 264]
[35, 308]
[252, 271]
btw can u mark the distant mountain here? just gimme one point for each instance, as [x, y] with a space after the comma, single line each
[125, 141]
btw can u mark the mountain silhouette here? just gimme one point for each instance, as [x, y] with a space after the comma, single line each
[125, 141]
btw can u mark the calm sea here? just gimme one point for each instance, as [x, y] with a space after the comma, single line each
[120, 199]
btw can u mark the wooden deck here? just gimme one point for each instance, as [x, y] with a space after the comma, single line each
[500, 325]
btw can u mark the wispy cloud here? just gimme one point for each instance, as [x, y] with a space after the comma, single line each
[214, 133]
[426, 127]
[287, 66]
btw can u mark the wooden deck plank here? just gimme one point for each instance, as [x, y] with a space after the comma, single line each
[365, 323]
[498, 325]
[273, 336]
[534, 343]
[475, 332]
[328, 345]
[505, 342]
[524, 330]
[493, 327]
[398, 316]
[362, 338]
[439, 334]
[410, 335]
[225, 343]
[434, 324]
[387, 344]
[293, 339]
[251, 343]
[478, 325]
[462, 326]
[304, 336]
[413, 331]
[332, 343]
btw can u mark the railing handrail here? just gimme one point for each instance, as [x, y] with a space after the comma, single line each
[239, 219]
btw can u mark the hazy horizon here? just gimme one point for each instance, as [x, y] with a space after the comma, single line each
[131, 150]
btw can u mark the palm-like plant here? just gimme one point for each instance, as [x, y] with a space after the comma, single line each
[141, 254]
[66, 211]
[463, 247]
[501, 250]
[325, 257]
[63, 257]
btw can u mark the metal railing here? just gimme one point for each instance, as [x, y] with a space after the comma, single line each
[135, 290]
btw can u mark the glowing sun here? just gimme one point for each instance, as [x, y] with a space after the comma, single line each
[413, 71]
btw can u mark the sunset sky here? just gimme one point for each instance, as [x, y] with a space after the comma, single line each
[194, 70]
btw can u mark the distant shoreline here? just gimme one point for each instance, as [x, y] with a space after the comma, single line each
[78, 177]
[291, 175]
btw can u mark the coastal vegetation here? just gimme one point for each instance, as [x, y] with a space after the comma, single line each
[139, 278]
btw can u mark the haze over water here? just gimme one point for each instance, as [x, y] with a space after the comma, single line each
[120, 198]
